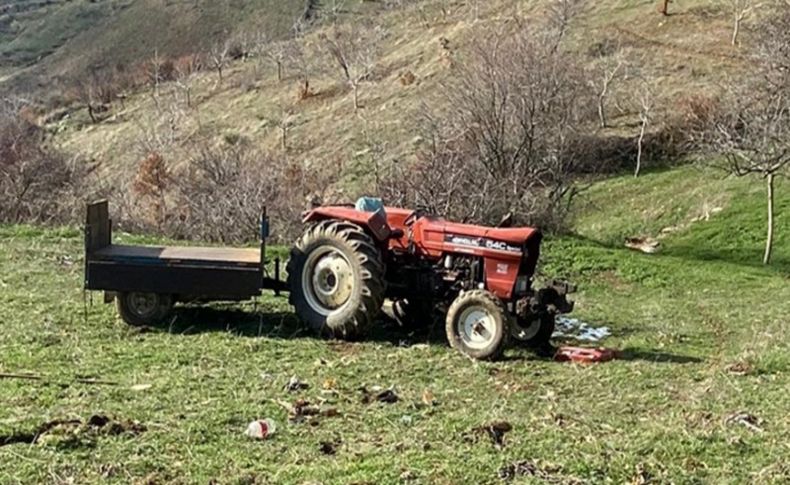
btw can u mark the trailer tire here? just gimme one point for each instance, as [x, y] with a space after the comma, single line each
[473, 309]
[140, 309]
[336, 279]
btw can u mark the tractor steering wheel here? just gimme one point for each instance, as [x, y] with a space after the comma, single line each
[418, 212]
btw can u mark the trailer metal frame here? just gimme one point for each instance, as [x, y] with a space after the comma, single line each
[185, 273]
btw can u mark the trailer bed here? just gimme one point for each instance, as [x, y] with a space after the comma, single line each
[180, 254]
[185, 273]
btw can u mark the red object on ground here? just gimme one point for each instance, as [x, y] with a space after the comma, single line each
[584, 355]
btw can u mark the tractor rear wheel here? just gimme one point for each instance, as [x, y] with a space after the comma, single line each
[478, 325]
[336, 279]
[139, 309]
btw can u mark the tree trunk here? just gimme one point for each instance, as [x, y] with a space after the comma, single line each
[601, 113]
[736, 29]
[355, 87]
[279, 71]
[664, 8]
[639, 148]
[769, 241]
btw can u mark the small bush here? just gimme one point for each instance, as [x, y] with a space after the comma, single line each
[220, 194]
[37, 182]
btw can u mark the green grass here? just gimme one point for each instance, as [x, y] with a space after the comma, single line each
[680, 318]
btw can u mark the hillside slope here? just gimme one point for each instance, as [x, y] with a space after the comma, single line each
[686, 54]
[697, 214]
[45, 40]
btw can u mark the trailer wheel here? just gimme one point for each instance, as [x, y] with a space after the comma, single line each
[536, 332]
[140, 309]
[336, 279]
[478, 325]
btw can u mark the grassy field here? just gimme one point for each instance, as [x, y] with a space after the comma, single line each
[702, 327]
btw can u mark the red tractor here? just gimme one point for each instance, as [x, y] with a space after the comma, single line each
[348, 261]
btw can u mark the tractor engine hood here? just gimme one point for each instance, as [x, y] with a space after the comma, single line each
[505, 239]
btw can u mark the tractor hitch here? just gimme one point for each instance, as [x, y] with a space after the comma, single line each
[551, 299]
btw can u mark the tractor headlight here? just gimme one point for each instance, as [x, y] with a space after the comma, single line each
[522, 284]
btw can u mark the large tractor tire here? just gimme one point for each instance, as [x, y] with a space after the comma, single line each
[478, 325]
[336, 279]
[143, 309]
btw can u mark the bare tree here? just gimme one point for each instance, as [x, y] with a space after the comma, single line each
[608, 71]
[283, 53]
[646, 100]
[355, 51]
[560, 14]
[752, 131]
[186, 69]
[741, 9]
[219, 55]
[283, 117]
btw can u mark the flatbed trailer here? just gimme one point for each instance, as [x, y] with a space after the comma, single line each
[154, 277]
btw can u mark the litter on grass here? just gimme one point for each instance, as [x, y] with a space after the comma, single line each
[573, 328]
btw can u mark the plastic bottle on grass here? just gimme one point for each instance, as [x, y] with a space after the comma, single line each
[261, 429]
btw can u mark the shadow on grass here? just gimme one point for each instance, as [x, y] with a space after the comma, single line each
[654, 356]
[193, 319]
[285, 325]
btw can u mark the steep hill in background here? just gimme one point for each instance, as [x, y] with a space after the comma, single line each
[683, 55]
[302, 116]
[45, 39]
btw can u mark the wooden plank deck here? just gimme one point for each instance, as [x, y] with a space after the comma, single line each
[182, 254]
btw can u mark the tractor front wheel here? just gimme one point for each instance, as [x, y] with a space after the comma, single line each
[336, 279]
[478, 325]
[535, 332]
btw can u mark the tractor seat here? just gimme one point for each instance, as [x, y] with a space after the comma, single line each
[371, 204]
[376, 206]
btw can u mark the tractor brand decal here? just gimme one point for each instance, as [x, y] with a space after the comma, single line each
[480, 242]
[502, 268]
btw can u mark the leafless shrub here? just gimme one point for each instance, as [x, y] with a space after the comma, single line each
[440, 180]
[150, 186]
[222, 190]
[37, 182]
[96, 90]
[516, 106]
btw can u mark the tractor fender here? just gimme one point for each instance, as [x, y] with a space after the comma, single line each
[373, 222]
